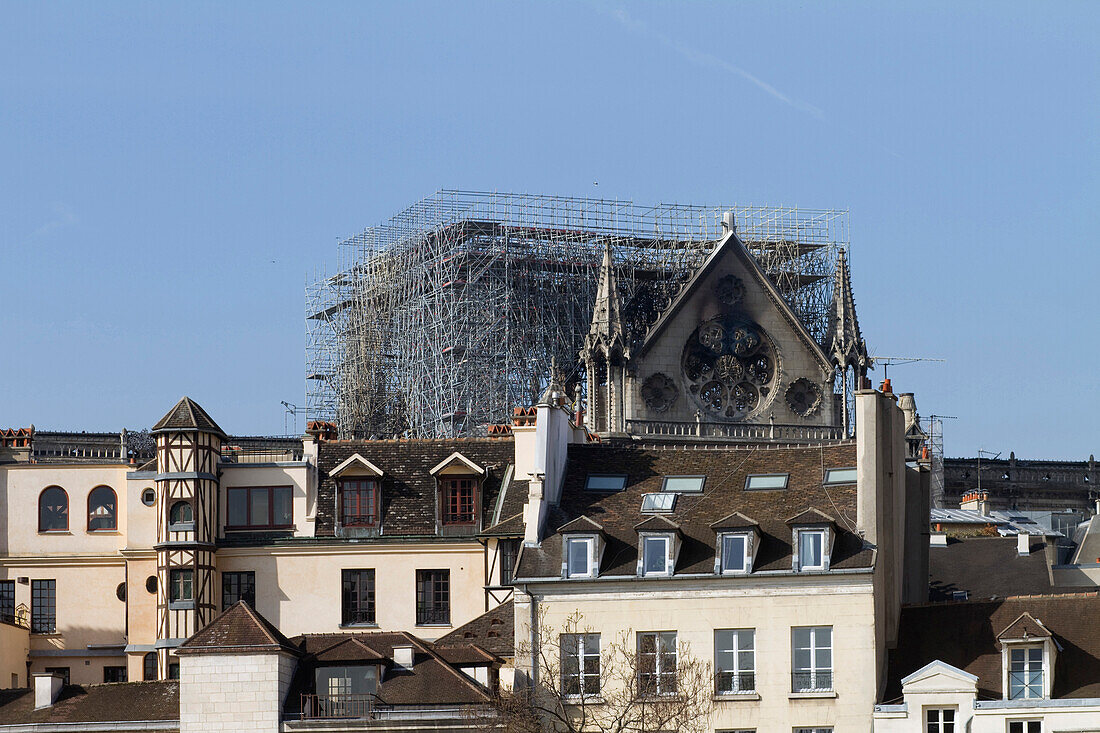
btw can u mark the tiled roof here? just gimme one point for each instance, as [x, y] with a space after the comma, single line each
[408, 490]
[1025, 626]
[125, 701]
[431, 681]
[493, 631]
[187, 415]
[235, 629]
[965, 635]
[988, 567]
[726, 470]
[510, 521]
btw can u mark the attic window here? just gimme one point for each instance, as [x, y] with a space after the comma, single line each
[684, 484]
[766, 481]
[605, 482]
[658, 502]
[840, 476]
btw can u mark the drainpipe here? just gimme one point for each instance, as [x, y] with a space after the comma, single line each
[534, 638]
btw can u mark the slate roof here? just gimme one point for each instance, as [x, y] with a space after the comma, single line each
[188, 415]
[965, 635]
[431, 681]
[124, 701]
[408, 490]
[726, 470]
[237, 629]
[989, 567]
[510, 515]
[493, 631]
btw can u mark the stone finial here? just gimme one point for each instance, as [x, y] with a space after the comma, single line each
[844, 339]
[606, 330]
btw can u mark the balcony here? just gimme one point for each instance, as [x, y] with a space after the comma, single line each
[357, 707]
[735, 683]
[820, 680]
[736, 432]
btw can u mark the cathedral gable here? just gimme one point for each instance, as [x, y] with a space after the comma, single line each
[730, 349]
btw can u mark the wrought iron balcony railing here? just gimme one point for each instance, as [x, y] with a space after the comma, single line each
[816, 681]
[734, 683]
[341, 706]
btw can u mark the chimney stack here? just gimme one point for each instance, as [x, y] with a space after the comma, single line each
[403, 656]
[46, 689]
[1023, 543]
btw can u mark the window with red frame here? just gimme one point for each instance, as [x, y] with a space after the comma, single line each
[359, 502]
[458, 500]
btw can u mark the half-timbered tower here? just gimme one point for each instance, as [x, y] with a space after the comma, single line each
[189, 445]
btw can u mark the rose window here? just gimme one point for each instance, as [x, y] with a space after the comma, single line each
[730, 367]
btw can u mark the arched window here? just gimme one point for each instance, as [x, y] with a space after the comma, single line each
[102, 509]
[53, 510]
[149, 664]
[181, 513]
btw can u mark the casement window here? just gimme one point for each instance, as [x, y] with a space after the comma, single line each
[239, 586]
[62, 672]
[173, 670]
[433, 597]
[656, 663]
[734, 661]
[102, 509]
[43, 606]
[7, 600]
[53, 510]
[735, 553]
[939, 720]
[346, 688]
[149, 667]
[812, 658]
[580, 557]
[1025, 726]
[811, 549]
[181, 585]
[1025, 672]
[658, 503]
[260, 507]
[357, 597]
[114, 674]
[605, 482]
[580, 664]
[656, 555]
[508, 551]
[458, 500]
[359, 502]
[181, 516]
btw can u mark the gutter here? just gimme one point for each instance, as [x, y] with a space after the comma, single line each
[699, 576]
[105, 726]
[534, 638]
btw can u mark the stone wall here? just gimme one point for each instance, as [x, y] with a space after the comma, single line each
[233, 692]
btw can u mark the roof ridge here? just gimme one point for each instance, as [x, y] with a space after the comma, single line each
[436, 656]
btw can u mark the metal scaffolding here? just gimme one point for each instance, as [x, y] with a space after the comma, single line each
[442, 319]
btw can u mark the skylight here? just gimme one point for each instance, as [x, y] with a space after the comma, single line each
[605, 482]
[683, 484]
[658, 502]
[840, 476]
[766, 481]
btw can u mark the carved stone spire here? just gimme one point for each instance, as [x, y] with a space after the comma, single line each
[844, 341]
[606, 331]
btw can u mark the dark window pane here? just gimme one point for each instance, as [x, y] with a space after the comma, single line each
[509, 551]
[181, 513]
[238, 507]
[43, 606]
[259, 512]
[53, 510]
[433, 597]
[357, 606]
[102, 509]
[7, 600]
[149, 666]
[114, 674]
[283, 506]
[238, 586]
[180, 585]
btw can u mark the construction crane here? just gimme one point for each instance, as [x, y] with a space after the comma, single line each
[889, 361]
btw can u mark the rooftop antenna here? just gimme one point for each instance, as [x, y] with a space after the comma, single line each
[987, 454]
[889, 361]
[290, 410]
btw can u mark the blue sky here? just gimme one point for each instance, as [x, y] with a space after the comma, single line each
[171, 176]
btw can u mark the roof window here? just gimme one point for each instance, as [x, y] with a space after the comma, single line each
[840, 476]
[605, 482]
[659, 503]
[766, 481]
[684, 484]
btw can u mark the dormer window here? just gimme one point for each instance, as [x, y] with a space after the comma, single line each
[811, 549]
[735, 553]
[458, 500]
[459, 482]
[656, 555]
[359, 502]
[1028, 652]
[580, 557]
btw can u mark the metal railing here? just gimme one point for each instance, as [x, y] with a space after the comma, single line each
[734, 683]
[815, 681]
[18, 616]
[341, 706]
[736, 431]
[433, 615]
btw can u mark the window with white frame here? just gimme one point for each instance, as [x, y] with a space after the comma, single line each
[939, 720]
[1025, 672]
[734, 661]
[1025, 726]
[656, 663]
[812, 658]
[580, 557]
[811, 549]
[813, 730]
[580, 664]
[655, 555]
[735, 553]
[658, 503]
